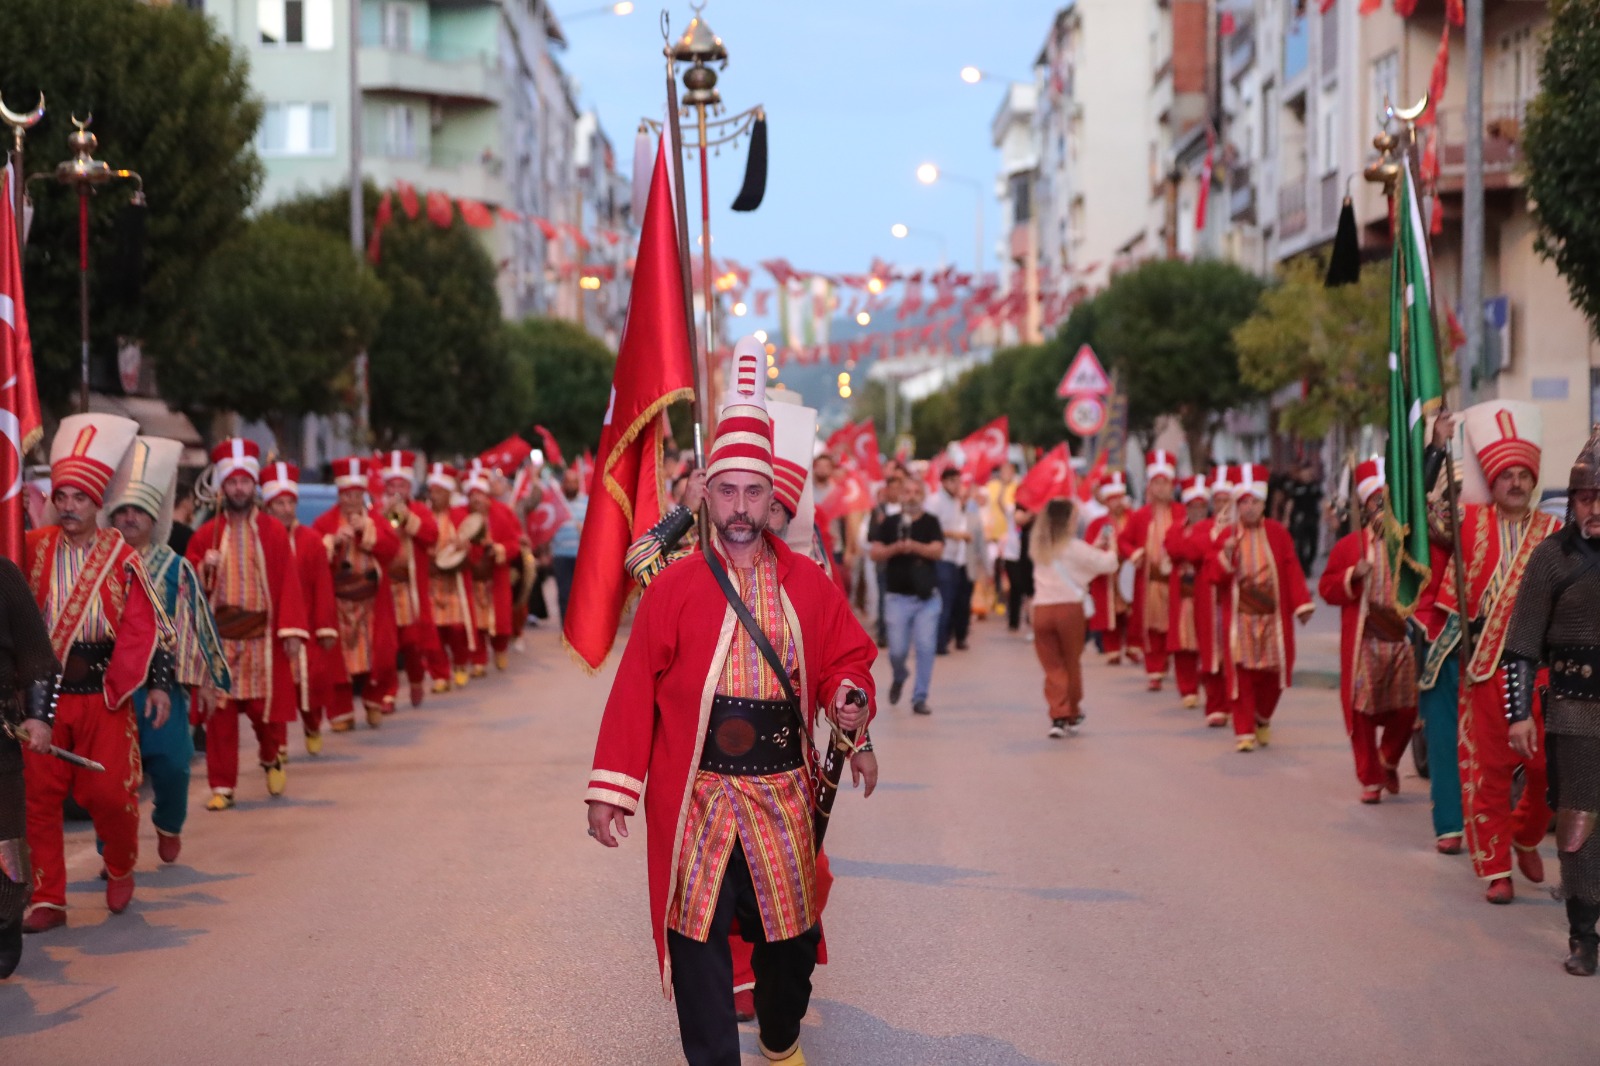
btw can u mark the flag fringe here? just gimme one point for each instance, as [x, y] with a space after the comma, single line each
[616, 492]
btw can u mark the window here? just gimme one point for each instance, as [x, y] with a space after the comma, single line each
[1330, 139]
[1269, 119]
[402, 132]
[397, 26]
[296, 129]
[295, 23]
[1386, 80]
[1330, 42]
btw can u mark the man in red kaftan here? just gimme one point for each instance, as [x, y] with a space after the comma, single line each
[1143, 542]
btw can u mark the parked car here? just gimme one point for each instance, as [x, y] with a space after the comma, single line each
[315, 498]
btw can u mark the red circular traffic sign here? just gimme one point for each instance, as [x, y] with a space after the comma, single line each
[1086, 415]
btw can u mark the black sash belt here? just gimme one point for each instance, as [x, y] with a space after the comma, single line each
[84, 673]
[751, 737]
[1575, 671]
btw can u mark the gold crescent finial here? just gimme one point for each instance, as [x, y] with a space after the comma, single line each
[82, 123]
[25, 119]
[1414, 112]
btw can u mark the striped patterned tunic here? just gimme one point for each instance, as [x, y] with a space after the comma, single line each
[770, 815]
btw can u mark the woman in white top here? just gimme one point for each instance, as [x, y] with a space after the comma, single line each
[1063, 566]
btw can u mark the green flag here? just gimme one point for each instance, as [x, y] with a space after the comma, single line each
[1415, 390]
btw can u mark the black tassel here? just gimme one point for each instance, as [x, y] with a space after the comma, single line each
[755, 168]
[1344, 265]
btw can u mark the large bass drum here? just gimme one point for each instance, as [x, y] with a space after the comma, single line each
[450, 558]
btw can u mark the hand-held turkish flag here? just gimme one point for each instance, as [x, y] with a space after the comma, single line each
[507, 456]
[653, 370]
[19, 396]
[849, 494]
[1050, 479]
[857, 446]
[552, 450]
[1096, 476]
[986, 449]
[545, 519]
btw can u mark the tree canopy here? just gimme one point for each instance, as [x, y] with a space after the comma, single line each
[280, 313]
[572, 380]
[1561, 141]
[171, 100]
[1335, 342]
[441, 376]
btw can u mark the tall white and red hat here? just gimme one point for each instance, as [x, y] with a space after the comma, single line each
[1115, 484]
[1503, 434]
[1193, 488]
[280, 479]
[476, 478]
[237, 456]
[1222, 481]
[442, 476]
[148, 480]
[1160, 463]
[88, 450]
[743, 439]
[399, 466]
[1369, 478]
[1250, 479]
[352, 472]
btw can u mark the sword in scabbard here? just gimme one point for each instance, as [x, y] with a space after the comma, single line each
[60, 753]
[840, 746]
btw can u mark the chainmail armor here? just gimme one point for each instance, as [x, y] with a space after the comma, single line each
[1537, 623]
[1575, 785]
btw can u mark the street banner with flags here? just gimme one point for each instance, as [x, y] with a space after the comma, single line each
[1050, 479]
[19, 396]
[654, 370]
[986, 449]
[857, 445]
[1415, 389]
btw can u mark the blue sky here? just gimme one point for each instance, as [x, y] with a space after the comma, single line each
[857, 92]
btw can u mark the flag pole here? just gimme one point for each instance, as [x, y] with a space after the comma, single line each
[700, 352]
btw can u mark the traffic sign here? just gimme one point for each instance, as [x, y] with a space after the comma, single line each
[1085, 377]
[1086, 415]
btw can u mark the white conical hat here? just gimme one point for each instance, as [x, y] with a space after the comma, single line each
[148, 480]
[87, 450]
[794, 433]
[1498, 434]
[743, 439]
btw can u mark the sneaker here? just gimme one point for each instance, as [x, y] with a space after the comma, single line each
[921, 707]
[896, 688]
[1058, 728]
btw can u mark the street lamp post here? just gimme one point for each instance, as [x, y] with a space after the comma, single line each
[929, 174]
[624, 7]
[900, 231]
[85, 173]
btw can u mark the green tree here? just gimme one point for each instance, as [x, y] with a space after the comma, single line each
[280, 313]
[1561, 141]
[571, 372]
[1167, 326]
[1333, 341]
[170, 100]
[441, 375]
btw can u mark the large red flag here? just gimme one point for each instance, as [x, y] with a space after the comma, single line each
[507, 456]
[552, 450]
[1050, 479]
[849, 494]
[19, 396]
[543, 520]
[857, 445]
[653, 370]
[986, 449]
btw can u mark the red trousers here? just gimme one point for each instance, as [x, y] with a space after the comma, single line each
[1217, 700]
[418, 642]
[452, 649]
[222, 740]
[1259, 691]
[499, 642]
[1115, 637]
[1155, 653]
[1379, 740]
[111, 738]
[377, 692]
[1186, 667]
[1487, 765]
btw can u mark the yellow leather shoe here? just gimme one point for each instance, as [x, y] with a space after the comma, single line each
[461, 679]
[374, 716]
[1191, 702]
[793, 1058]
[313, 743]
[441, 685]
[479, 670]
[1263, 733]
[500, 660]
[219, 801]
[343, 725]
[1246, 743]
[277, 778]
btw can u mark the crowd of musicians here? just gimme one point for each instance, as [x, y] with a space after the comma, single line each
[119, 649]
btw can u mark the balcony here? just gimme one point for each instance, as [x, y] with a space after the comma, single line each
[446, 74]
[1242, 194]
[457, 174]
[1292, 218]
[1502, 145]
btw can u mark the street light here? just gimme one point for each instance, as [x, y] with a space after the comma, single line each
[863, 319]
[739, 309]
[929, 174]
[900, 231]
[624, 7]
[971, 75]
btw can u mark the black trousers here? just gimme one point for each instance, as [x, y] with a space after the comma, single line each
[13, 896]
[702, 977]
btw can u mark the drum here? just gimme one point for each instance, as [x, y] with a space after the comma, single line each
[450, 558]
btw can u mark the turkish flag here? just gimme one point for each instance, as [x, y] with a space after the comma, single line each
[475, 214]
[848, 494]
[507, 456]
[986, 449]
[586, 471]
[936, 468]
[1438, 79]
[19, 396]
[1050, 479]
[408, 198]
[384, 217]
[552, 450]
[545, 519]
[857, 446]
[1097, 474]
[654, 369]
[440, 213]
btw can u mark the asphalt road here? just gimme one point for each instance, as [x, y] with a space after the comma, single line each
[1138, 894]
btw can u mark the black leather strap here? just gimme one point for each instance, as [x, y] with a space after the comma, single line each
[751, 626]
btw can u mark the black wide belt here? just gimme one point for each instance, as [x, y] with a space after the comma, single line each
[1575, 671]
[84, 673]
[747, 738]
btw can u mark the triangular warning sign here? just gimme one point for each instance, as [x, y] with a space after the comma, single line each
[1085, 376]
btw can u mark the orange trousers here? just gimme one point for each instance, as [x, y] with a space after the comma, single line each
[1058, 632]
